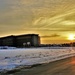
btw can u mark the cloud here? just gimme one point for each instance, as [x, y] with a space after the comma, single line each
[42, 16]
[71, 23]
[56, 23]
[53, 35]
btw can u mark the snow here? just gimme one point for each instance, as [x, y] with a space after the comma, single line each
[11, 58]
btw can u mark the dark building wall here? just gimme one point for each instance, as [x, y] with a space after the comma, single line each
[35, 40]
[21, 40]
[9, 41]
[0, 42]
[28, 40]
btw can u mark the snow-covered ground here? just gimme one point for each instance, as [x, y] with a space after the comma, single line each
[12, 58]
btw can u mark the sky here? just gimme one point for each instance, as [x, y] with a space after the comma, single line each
[53, 20]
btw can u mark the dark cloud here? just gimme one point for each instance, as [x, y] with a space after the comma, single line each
[53, 35]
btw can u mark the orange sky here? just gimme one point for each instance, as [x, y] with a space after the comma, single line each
[53, 20]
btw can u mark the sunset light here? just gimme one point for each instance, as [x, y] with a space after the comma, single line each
[37, 32]
[71, 37]
[53, 19]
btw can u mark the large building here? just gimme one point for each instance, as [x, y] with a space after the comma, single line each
[20, 40]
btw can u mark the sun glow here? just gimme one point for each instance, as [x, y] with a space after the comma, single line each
[71, 37]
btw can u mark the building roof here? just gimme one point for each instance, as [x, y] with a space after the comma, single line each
[28, 35]
[12, 36]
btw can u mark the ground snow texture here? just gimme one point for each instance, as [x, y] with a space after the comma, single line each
[13, 58]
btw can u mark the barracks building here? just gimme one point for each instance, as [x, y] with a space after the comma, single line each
[21, 40]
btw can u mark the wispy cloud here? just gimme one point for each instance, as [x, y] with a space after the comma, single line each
[41, 16]
[56, 22]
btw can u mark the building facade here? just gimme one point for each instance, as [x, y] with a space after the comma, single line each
[21, 40]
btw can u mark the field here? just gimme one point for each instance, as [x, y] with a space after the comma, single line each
[13, 58]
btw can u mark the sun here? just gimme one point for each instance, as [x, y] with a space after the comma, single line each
[71, 37]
